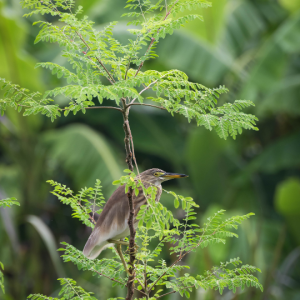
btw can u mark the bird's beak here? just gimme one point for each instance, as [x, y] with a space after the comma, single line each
[174, 175]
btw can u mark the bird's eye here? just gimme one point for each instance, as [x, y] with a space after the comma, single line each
[158, 174]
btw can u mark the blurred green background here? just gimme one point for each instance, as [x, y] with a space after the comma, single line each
[253, 47]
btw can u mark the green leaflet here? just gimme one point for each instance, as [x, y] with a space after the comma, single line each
[9, 202]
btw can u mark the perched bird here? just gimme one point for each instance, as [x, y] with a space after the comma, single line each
[111, 226]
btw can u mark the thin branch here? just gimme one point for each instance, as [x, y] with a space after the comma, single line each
[176, 291]
[99, 61]
[111, 80]
[144, 104]
[183, 255]
[112, 279]
[141, 284]
[153, 39]
[142, 63]
[170, 9]
[145, 275]
[130, 57]
[107, 277]
[97, 107]
[145, 89]
[142, 10]
[105, 107]
[91, 107]
[166, 6]
[127, 68]
[132, 149]
[94, 204]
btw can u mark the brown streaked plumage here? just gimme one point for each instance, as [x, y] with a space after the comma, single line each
[112, 224]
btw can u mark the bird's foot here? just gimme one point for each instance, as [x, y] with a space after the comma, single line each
[132, 249]
[118, 242]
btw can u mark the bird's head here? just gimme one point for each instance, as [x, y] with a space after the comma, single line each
[157, 176]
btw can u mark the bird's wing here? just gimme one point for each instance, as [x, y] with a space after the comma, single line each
[111, 222]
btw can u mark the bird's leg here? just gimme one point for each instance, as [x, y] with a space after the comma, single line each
[118, 242]
[119, 250]
[121, 243]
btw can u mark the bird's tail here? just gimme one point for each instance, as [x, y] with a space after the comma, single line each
[94, 246]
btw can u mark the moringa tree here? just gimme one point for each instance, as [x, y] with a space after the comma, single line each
[100, 67]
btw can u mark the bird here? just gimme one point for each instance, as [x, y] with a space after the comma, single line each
[111, 226]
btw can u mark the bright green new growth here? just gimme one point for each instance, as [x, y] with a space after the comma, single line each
[8, 202]
[96, 59]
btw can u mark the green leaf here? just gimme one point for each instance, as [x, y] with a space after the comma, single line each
[149, 223]
[176, 203]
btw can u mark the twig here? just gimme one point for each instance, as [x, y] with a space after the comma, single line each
[146, 88]
[107, 277]
[112, 81]
[142, 10]
[145, 275]
[112, 278]
[141, 284]
[153, 39]
[130, 57]
[96, 107]
[175, 291]
[132, 149]
[166, 6]
[160, 107]
[142, 63]
[181, 257]
[170, 9]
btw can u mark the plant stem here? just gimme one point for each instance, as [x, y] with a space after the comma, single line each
[145, 279]
[94, 107]
[175, 291]
[180, 257]
[92, 269]
[112, 81]
[131, 278]
[146, 88]
[153, 39]
[160, 107]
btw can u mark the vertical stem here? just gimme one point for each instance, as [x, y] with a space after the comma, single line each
[145, 279]
[131, 278]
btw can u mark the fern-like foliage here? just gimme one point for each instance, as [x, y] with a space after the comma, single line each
[69, 290]
[228, 275]
[158, 225]
[100, 67]
[8, 202]
[96, 58]
[33, 103]
[110, 268]
[84, 204]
